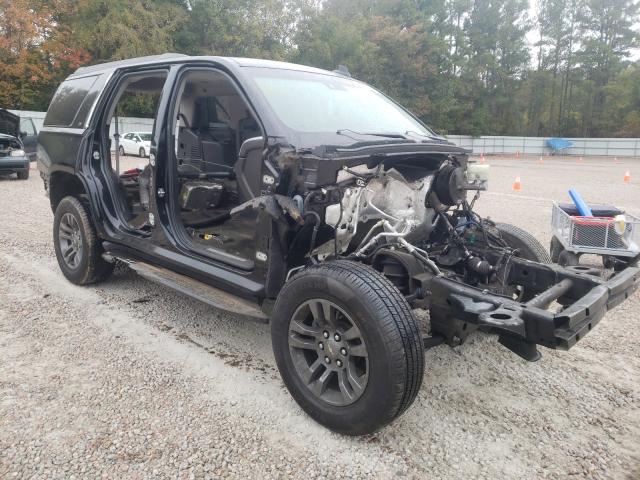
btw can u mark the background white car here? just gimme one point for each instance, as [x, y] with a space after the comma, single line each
[135, 143]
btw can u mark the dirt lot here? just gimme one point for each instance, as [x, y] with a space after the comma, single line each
[130, 380]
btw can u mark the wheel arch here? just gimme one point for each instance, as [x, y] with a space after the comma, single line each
[63, 184]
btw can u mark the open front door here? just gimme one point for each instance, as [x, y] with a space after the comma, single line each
[211, 123]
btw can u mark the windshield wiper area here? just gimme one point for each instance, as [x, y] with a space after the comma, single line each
[343, 131]
[432, 137]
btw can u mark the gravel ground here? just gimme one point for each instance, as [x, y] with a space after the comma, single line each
[131, 380]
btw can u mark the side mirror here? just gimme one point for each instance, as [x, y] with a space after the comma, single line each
[23, 134]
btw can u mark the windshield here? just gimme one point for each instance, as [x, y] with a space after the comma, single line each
[315, 103]
[145, 137]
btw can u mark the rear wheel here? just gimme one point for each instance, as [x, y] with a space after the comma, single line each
[77, 248]
[347, 346]
[141, 152]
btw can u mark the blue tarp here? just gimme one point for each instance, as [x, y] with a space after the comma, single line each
[557, 144]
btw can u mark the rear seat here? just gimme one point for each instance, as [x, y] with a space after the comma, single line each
[208, 146]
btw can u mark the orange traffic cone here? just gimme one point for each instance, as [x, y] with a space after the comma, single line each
[482, 158]
[518, 154]
[540, 160]
[627, 177]
[580, 159]
[517, 185]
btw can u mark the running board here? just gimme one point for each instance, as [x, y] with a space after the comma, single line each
[195, 289]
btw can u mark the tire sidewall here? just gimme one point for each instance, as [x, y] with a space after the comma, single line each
[378, 396]
[79, 274]
[520, 239]
[555, 249]
[568, 259]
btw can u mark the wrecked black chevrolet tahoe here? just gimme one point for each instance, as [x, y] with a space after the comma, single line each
[303, 196]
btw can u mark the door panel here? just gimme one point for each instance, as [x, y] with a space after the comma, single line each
[29, 137]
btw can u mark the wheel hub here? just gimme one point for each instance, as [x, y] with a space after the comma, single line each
[332, 350]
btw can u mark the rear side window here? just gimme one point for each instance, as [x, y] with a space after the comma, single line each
[67, 101]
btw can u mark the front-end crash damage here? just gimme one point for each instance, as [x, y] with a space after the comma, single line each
[403, 209]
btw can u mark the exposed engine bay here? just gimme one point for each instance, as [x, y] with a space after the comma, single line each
[403, 225]
[8, 144]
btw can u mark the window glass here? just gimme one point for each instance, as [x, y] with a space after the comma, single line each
[146, 137]
[26, 125]
[67, 100]
[312, 102]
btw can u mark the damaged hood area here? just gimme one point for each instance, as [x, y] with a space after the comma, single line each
[320, 166]
[9, 123]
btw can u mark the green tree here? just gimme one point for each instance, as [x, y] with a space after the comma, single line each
[608, 36]
[249, 28]
[118, 29]
[35, 52]
[498, 60]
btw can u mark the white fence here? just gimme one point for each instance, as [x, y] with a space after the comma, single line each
[37, 117]
[614, 147]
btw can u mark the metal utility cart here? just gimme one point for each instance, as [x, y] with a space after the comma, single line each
[610, 233]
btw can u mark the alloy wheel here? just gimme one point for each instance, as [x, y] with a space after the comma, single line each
[70, 241]
[328, 352]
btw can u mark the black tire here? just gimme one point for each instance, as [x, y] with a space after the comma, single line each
[91, 267]
[121, 151]
[395, 354]
[142, 153]
[528, 247]
[23, 174]
[555, 249]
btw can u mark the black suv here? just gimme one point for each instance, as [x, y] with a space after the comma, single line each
[303, 196]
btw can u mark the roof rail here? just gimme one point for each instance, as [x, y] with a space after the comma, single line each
[126, 62]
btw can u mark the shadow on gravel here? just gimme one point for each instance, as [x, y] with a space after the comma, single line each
[238, 341]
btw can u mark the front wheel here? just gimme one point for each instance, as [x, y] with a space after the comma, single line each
[347, 346]
[23, 174]
[526, 244]
[555, 249]
[142, 153]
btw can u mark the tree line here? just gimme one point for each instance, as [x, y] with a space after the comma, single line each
[463, 66]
